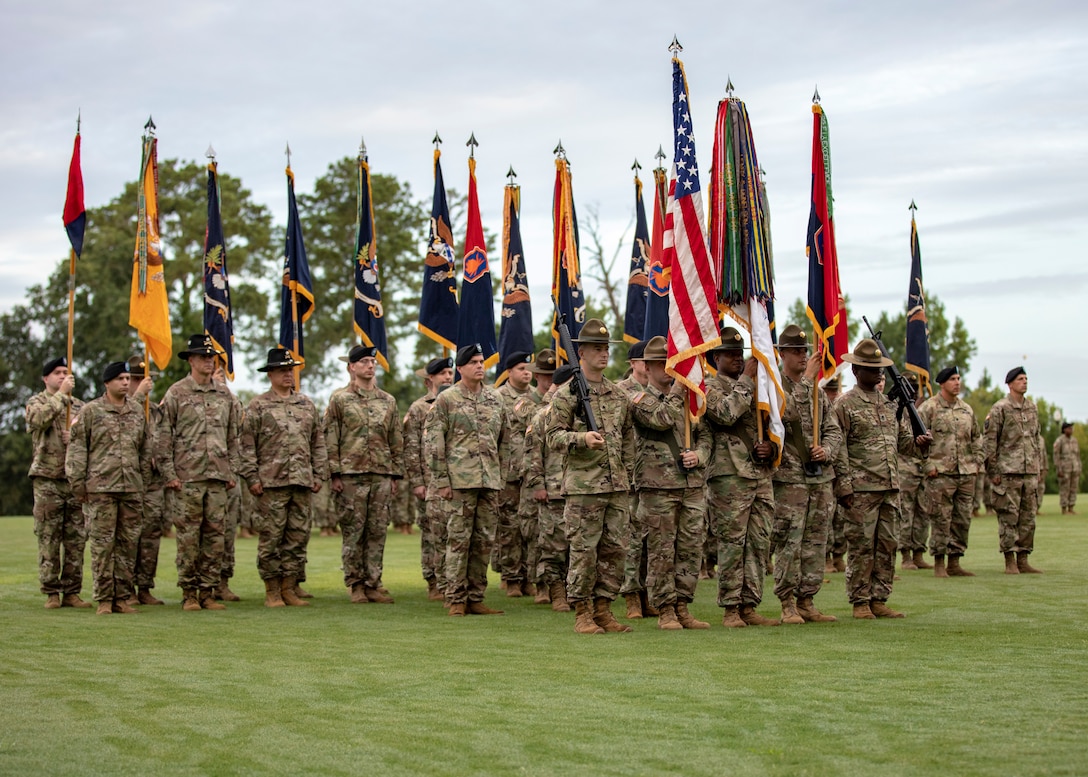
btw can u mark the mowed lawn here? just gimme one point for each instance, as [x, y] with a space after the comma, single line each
[986, 675]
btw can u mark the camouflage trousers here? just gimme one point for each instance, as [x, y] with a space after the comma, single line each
[1015, 502]
[147, 546]
[870, 533]
[597, 528]
[508, 554]
[364, 522]
[802, 519]
[836, 538]
[634, 559]
[284, 529]
[675, 524]
[554, 563]
[913, 516]
[230, 527]
[113, 525]
[62, 536]
[1067, 488]
[742, 512]
[529, 519]
[470, 533]
[980, 489]
[199, 513]
[435, 516]
[402, 509]
[949, 499]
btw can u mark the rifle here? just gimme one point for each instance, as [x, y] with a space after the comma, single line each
[902, 392]
[578, 384]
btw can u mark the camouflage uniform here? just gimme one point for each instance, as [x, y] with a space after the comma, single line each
[463, 435]
[1067, 465]
[508, 554]
[671, 500]
[544, 468]
[914, 518]
[1040, 482]
[151, 523]
[803, 504]
[955, 456]
[234, 514]
[366, 450]
[522, 415]
[416, 475]
[1012, 451]
[596, 485]
[283, 449]
[198, 445]
[58, 519]
[868, 468]
[108, 462]
[741, 492]
[634, 562]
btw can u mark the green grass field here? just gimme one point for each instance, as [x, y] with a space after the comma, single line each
[987, 676]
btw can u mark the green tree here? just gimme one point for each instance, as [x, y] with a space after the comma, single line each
[797, 314]
[948, 343]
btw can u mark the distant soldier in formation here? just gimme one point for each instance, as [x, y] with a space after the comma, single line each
[1067, 465]
[153, 520]
[58, 518]
[108, 462]
[1011, 449]
[284, 462]
[234, 510]
[914, 519]
[596, 484]
[197, 452]
[509, 551]
[951, 468]
[867, 481]
[836, 539]
[803, 496]
[365, 443]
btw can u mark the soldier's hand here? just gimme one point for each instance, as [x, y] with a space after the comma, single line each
[68, 384]
[65, 436]
[923, 440]
[231, 484]
[337, 484]
[395, 488]
[812, 366]
[420, 492]
[446, 492]
[143, 390]
[541, 495]
[690, 459]
[931, 474]
[818, 453]
[847, 501]
[751, 366]
[763, 450]
[996, 480]
[316, 486]
[594, 441]
[173, 485]
[256, 489]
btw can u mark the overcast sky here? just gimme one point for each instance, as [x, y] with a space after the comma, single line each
[978, 111]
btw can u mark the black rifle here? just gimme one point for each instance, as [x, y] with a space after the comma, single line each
[902, 392]
[578, 384]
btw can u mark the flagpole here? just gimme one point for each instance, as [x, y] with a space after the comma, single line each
[71, 322]
[147, 373]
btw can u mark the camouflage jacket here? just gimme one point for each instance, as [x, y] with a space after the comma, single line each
[45, 418]
[630, 385]
[1067, 455]
[110, 449]
[282, 442]
[1011, 443]
[363, 433]
[518, 405]
[462, 437]
[957, 442]
[415, 465]
[198, 436]
[658, 418]
[798, 412]
[731, 416]
[872, 440]
[590, 471]
[544, 465]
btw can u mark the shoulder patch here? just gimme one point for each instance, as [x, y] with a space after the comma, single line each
[518, 404]
[638, 397]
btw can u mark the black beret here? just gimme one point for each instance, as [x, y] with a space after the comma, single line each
[435, 366]
[1066, 425]
[562, 374]
[113, 370]
[51, 365]
[636, 350]
[947, 373]
[516, 358]
[1014, 373]
[358, 352]
[466, 352]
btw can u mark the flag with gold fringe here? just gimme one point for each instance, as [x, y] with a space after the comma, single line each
[149, 309]
[634, 317]
[218, 322]
[566, 271]
[297, 291]
[368, 314]
[516, 327]
[476, 321]
[917, 359]
[438, 298]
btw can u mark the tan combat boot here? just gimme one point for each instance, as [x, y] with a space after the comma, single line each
[73, 600]
[939, 569]
[634, 606]
[302, 593]
[882, 610]
[647, 608]
[920, 560]
[52, 602]
[223, 591]
[908, 562]
[558, 592]
[543, 595]
[146, 597]
[666, 621]
[122, 606]
[863, 612]
[789, 612]
[749, 615]
[687, 620]
[433, 594]
[190, 602]
[527, 588]
[457, 609]
[583, 619]
[1023, 565]
[513, 588]
[358, 594]
[1010, 563]
[207, 601]
[272, 595]
[838, 562]
[377, 596]
[288, 594]
[105, 607]
[807, 610]
[479, 608]
[603, 617]
[954, 568]
[731, 619]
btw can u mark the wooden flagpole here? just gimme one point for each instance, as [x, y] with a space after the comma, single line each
[71, 323]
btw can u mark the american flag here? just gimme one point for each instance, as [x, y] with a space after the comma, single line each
[693, 320]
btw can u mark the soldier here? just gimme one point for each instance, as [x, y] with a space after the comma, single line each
[1067, 465]
[508, 554]
[1011, 450]
[108, 462]
[803, 496]
[58, 518]
[913, 515]
[953, 464]
[365, 444]
[234, 512]
[432, 522]
[1040, 483]
[463, 435]
[867, 481]
[670, 478]
[197, 452]
[739, 482]
[596, 484]
[152, 519]
[284, 462]
[836, 540]
[544, 468]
